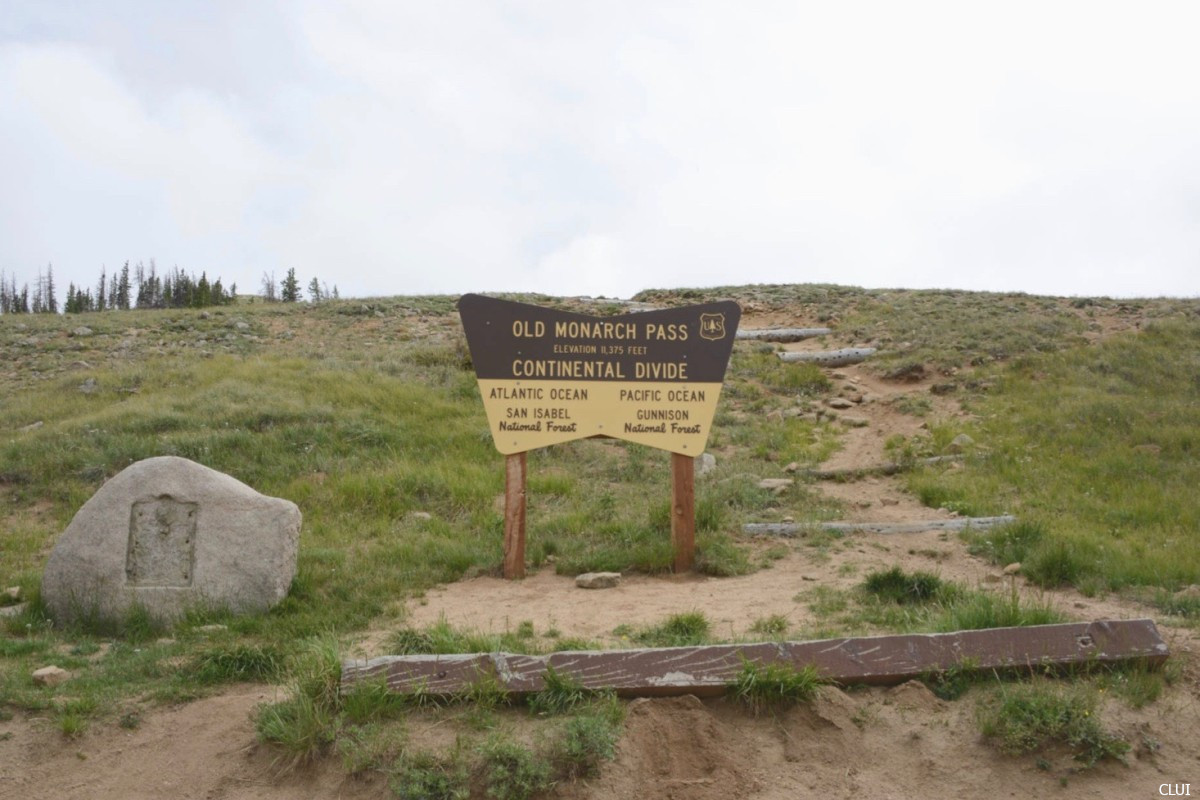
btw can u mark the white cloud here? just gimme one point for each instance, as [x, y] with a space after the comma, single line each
[604, 148]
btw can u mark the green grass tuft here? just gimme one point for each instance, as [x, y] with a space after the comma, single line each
[512, 771]
[897, 586]
[1027, 717]
[979, 610]
[762, 687]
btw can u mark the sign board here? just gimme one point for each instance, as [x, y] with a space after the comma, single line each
[550, 376]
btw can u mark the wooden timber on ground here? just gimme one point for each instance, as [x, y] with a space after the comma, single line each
[888, 468]
[708, 670]
[781, 334]
[829, 358]
[797, 528]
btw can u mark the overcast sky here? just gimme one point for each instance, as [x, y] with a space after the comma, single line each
[602, 148]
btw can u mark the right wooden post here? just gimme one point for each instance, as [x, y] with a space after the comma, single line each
[683, 511]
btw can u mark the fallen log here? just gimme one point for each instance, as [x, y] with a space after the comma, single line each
[888, 468]
[781, 334]
[829, 358]
[709, 670]
[797, 528]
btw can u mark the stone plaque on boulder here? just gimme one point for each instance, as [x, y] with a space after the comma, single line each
[168, 534]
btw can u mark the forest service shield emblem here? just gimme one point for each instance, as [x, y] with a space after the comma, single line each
[712, 326]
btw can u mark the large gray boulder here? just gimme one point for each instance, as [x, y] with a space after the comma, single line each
[168, 534]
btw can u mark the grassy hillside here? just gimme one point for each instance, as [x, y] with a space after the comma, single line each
[363, 412]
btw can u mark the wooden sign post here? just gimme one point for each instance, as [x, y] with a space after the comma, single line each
[549, 376]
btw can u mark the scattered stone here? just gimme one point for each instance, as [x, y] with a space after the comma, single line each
[13, 593]
[597, 580]
[81, 365]
[793, 467]
[889, 501]
[839, 403]
[1013, 568]
[168, 534]
[50, 676]
[960, 443]
[851, 421]
[33, 426]
[909, 373]
[423, 516]
[205, 315]
[787, 520]
[82, 330]
[209, 629]
[705, 463]
[944, 388]
[89, 386]
[241, 326]
[775, 484]
[13, 611]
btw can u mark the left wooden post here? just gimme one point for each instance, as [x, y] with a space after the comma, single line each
[514, 516]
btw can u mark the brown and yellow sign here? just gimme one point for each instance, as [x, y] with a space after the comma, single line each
[551, 376]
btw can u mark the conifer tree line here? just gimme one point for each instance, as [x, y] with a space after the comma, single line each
[120, 291]
[144, 287]
[288, 289]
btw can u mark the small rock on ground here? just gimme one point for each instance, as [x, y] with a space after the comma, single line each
[775, 484]
[13, 611]
[597, 580]
[959, 443]
[50, 676]
[1013, 568]
[705, 463]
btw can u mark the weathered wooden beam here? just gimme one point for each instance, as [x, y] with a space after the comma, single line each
[708, 670]
[781, 334]
[887, 468]
[794, 528]
[829, 358]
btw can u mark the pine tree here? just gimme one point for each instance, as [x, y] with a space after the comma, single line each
[123, 288]
[203, 295]
[51, 294]
[290, 287]
[314, 291]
